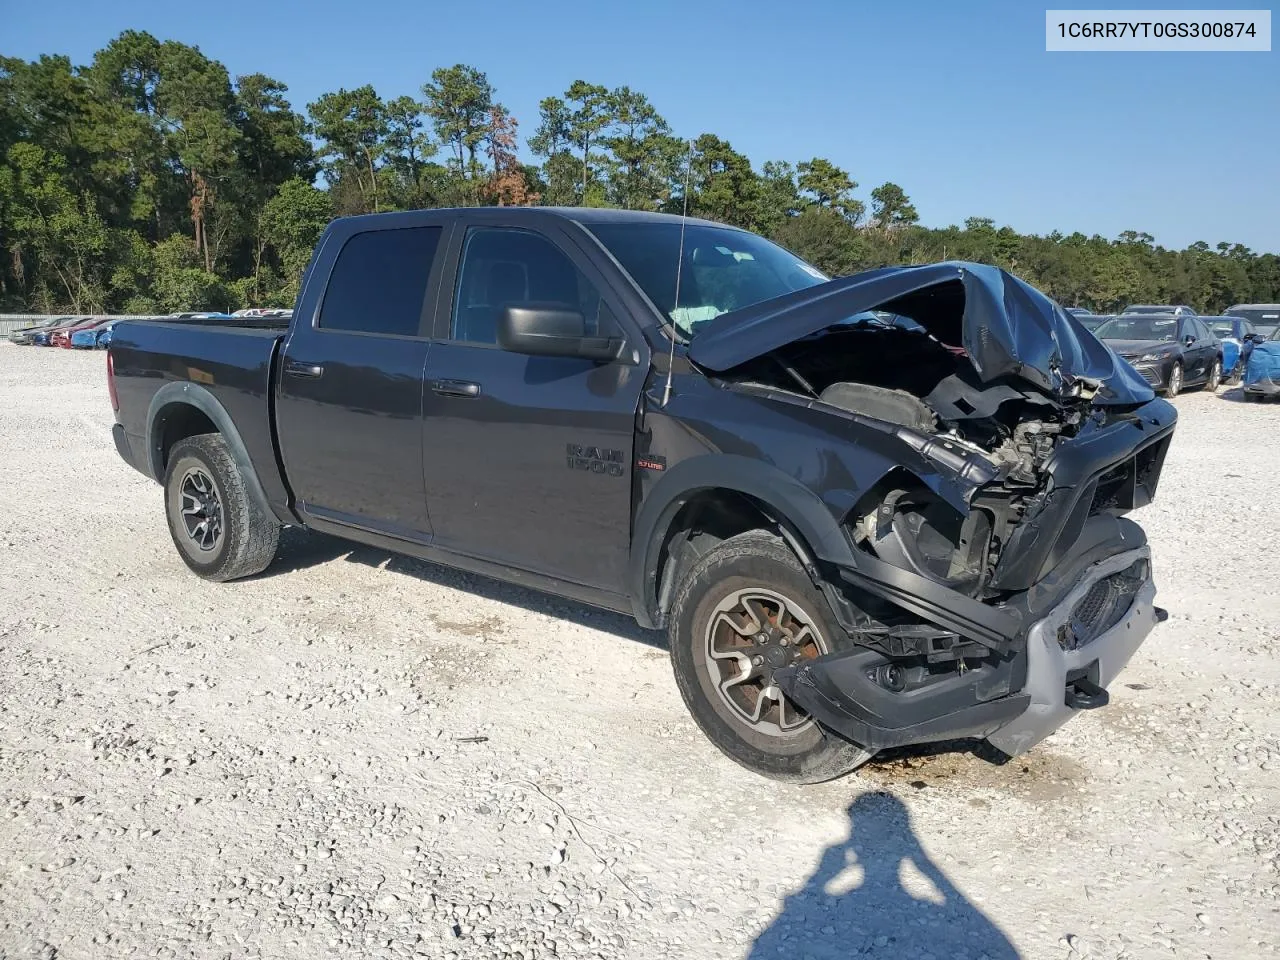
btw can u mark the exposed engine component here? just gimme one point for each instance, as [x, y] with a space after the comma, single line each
[891, 406]
[1027, 450]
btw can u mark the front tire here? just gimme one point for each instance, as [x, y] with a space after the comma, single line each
[220, 531]
[744, 608]
[1174, 386]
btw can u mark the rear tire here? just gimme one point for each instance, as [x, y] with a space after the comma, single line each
[756, 578]
[1215, 377]
[220, 530]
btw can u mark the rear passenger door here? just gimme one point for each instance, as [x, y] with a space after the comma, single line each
[349, 400]
[528, 459]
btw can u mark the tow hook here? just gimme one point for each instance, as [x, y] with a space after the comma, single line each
[1084, 694]
[1161, 614]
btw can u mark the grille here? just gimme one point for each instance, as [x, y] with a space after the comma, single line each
[1103, 606]
[1151, 375]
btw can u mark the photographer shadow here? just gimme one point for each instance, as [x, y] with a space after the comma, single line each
[838, 915]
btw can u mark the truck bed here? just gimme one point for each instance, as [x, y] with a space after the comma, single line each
[232, 361]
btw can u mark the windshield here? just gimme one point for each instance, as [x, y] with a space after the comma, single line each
[723, 269]
[1265, 319]
[1143, 308]
[1134, 327]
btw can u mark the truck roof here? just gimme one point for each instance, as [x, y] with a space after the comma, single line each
[584, 215]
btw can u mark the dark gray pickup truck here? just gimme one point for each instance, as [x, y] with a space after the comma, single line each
[874, 511]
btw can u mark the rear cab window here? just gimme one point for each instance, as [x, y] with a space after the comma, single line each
[379, 283]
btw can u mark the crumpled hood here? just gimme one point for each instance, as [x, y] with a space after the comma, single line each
[1006, 326]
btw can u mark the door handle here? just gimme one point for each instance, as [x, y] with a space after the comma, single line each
[456, 388]
[296, 368]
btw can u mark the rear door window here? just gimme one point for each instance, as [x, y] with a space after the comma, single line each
[379, 282]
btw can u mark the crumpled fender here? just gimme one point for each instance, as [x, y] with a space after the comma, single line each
[813, 518]
[788, 501]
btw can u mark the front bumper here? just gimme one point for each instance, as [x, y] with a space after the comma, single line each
[1265, 386]
[1051, 670]
[1015, 701]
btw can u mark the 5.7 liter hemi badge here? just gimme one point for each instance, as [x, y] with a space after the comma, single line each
[650, 461]
[594, 459]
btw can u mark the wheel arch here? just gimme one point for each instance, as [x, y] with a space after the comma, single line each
[719, 496]
[180, 410]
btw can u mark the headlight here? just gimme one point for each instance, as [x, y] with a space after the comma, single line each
[1150, 357]
[919, 533]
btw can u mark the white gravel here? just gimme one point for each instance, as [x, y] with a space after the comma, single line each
[360, 755]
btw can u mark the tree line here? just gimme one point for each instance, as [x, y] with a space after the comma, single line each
[150, 180]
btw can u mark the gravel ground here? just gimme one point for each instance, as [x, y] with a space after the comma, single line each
[361, 755]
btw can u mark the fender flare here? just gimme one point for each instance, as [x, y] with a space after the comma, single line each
[793, 505]
[194, 395]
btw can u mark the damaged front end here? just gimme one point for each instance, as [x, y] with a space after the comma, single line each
[1000, 616]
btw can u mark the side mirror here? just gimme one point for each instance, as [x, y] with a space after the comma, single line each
[552, 330]
[1190, 339]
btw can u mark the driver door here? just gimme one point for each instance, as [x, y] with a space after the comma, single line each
[1206, 349]
[528, 459]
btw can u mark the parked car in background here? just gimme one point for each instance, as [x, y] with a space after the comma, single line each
[1092, 321]
[44, 336]
[86, 338]
[62, 336]
[1265, 317]
[1079, 312]
[263, 312]
[24, 335]
[1176, 310]
[1262, 374]
[1170, 351]
[1237, 336]
[104, 335]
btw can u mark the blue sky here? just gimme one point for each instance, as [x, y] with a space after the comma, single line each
[957, 102]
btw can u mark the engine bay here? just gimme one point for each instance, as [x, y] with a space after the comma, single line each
[893, 369]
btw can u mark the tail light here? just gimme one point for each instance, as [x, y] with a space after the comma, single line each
[111, 383]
